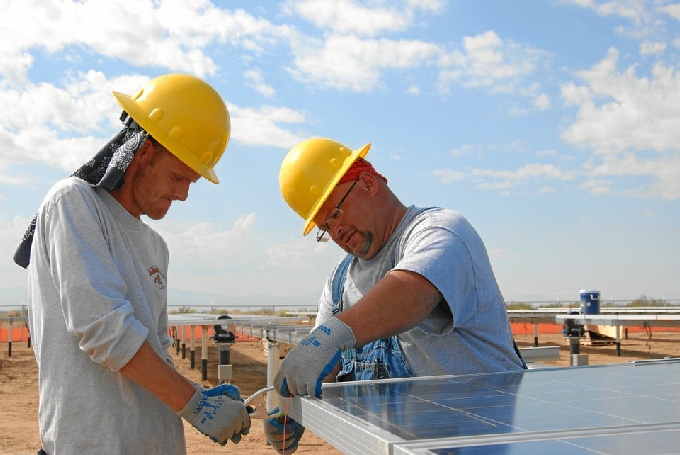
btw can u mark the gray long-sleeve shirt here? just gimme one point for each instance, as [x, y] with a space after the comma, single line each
[97, 291]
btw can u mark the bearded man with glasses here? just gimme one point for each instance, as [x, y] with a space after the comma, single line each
[415, 295]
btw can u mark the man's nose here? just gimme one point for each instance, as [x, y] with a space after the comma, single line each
[181, 192]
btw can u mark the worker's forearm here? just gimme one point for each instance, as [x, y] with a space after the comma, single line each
[153, 373]
[398, 302]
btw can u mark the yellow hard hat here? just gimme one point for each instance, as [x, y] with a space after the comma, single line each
[186, 115]
[309, 173]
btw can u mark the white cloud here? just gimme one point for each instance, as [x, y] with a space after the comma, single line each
[496, 254]
[263, 126]
[486, 61]
[79, 106]
[530, 171]
[44, 123]
[234, 262]
[168, 33]
[448, 175]
[352, 63]
[204, 238]
[642, 19]
[11, 232]
[634, 10]
[350, 54]
[542, 102]
[629, 121]
[504, 179]
[348, 17]
[255, 79]
[652, 48]
[672, 10]
[65, 126]
[300, 263]
[597, 186]
[663, 170]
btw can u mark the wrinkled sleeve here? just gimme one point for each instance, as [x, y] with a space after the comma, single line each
[443, 258]
[92, 289]
[164, 335]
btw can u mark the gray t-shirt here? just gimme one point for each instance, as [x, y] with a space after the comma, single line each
[469, 331]
[97, 291]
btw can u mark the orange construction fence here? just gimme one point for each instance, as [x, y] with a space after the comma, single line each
[527, 328]
[20, 331]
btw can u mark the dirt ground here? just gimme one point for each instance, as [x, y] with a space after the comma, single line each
[19, 391]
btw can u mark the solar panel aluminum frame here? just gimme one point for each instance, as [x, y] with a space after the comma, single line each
[352, 433]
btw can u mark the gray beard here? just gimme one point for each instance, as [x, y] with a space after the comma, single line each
[365, 246]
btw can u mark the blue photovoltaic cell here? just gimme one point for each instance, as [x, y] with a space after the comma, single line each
[570, 401]
[654, 442]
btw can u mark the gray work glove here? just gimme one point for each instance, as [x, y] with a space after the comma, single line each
[283, 433]
[216, 414]
[313, 359]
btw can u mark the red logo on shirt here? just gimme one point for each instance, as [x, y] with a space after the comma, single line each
[157, 276]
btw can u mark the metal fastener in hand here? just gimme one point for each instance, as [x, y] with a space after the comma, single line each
[250, 398]
[252, 409]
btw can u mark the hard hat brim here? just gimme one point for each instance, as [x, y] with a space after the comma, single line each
[130, 106]
[358, 153]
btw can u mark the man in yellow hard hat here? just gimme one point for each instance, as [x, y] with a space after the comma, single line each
[415, 295]
[97, 283]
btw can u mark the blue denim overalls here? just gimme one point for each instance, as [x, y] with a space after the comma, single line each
[379, 359]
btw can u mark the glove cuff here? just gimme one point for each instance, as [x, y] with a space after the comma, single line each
[188, 410]
[339, 332]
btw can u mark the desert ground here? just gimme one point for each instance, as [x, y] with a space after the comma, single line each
[19, 392]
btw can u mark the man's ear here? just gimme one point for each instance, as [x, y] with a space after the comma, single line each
[141, 158]
[146, 149]
[145, 152]
[369, 182]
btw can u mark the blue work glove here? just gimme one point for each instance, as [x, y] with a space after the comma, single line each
[224, 389]
[274, 430]
[313, 359]
[217, 415]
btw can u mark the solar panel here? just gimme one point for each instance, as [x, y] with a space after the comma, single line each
[618, 409]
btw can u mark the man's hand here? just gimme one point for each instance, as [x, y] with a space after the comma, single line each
[283, 433]
[215, 414]
[313, 358]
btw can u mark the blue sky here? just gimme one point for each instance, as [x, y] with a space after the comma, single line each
[553, 126]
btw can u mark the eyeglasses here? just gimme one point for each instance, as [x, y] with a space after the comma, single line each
[333, 217]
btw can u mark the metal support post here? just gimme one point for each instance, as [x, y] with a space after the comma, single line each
[273, 363]
[535, 334]
[192, 347]
[204, 353]
[184, 342]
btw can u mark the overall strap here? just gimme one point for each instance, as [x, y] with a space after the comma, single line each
[338, 283]
[378, 359]
[519, 354]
